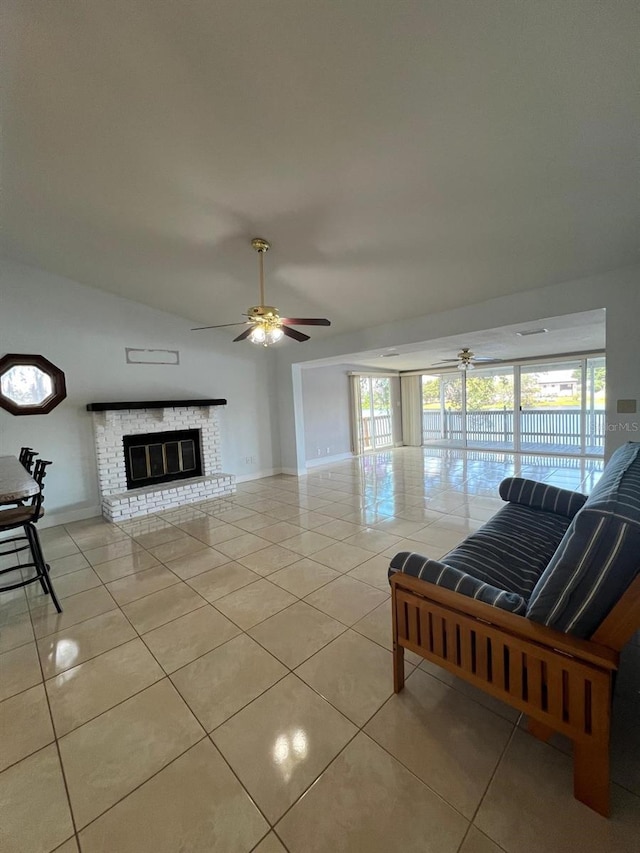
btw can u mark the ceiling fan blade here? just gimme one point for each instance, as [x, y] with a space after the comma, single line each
[309, 321]
[485, 358]
[243, 335]
[220, 326]
[295, 334]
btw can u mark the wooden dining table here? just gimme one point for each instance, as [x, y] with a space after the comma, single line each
[16, 484]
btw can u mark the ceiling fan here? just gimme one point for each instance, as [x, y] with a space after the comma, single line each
[265, 325]
[467, 360]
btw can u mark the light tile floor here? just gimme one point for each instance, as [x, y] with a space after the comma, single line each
[220, 680]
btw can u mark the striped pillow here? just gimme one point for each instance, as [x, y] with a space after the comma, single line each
[446, 576]
[599, 555]
[541, 496]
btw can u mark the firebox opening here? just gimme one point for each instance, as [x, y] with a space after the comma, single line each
[159, 457]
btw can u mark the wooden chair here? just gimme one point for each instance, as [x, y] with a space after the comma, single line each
[562, 683]
[25, 517]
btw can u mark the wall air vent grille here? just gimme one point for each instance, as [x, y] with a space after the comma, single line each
[527, 332]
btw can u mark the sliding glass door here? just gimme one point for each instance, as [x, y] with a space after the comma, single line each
[375, 412]
[442, 403]
[551, 413]
[547, 407]
[490, 407]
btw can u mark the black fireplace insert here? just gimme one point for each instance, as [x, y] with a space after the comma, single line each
[159, 457]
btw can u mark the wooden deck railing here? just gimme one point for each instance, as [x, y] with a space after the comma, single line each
[537, 426]
[383, 431]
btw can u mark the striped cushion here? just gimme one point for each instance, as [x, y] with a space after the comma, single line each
[599, 555]
[618, 490]
[451, 578]
[541, 496]
[512, 549]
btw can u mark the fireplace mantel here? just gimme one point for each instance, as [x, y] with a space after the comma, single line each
[152, 404]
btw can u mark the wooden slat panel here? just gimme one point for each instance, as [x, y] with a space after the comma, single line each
[497, 665]
[466, 652]
[599, 706]
[534, 681]
[428, 639]
[482, 658]
[546, 662]
[423, 622]
[515, 673]
[451, 646]
[575, 700]
[554, 691]
[504, 622]
[401, 617]
[546, 654]
[438, 629]
[453, 635]
[412, 624]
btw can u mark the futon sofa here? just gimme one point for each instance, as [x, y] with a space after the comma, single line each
[535, 607]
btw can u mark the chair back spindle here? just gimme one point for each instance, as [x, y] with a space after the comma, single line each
[39, 474]
[26, 457]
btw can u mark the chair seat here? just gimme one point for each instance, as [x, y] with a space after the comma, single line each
[18, 515]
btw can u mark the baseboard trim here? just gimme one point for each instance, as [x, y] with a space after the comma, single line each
[257, 475]
[52, 519]
[329, 460]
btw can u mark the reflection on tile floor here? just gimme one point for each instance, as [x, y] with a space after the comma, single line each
[220, 680]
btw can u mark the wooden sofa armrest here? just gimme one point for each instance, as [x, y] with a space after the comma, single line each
[517, 626]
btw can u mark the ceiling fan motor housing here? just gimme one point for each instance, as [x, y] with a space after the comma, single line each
[263, 312]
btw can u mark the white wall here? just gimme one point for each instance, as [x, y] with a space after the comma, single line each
[326, 410]
[617, 291]
[84, 331]
[325, 401]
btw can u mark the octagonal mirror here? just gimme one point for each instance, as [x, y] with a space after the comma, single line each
[30, 384]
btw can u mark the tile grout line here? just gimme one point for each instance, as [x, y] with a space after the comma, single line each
[141, 784]
[57, 745]
[488, 785]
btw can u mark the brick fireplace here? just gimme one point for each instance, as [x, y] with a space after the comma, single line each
[163, 435]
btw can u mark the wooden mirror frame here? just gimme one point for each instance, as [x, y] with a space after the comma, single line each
[57, 382]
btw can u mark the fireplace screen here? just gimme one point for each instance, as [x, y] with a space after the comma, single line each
[159, 457]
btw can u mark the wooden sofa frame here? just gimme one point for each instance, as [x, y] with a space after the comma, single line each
[562, 683]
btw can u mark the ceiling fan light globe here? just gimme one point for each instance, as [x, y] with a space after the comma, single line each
[274, 335]
[258, 335]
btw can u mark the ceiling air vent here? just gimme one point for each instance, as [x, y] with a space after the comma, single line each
[390, 355]
[527, 332]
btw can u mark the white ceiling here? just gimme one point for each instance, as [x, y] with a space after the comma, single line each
[572, 333]
[403, 157]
